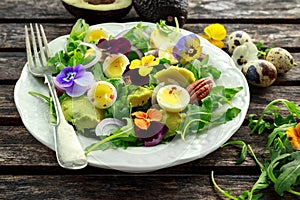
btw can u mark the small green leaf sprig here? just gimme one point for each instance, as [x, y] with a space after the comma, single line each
[282, 169]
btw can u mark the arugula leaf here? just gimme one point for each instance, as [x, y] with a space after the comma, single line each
[209, 112]
[289, 172]
[243, 152]
[126, 132]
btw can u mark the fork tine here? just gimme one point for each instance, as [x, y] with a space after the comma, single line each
[28, 48]
[47, 51]
[34, 46]
[42, 52]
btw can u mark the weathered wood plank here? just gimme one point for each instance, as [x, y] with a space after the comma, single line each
[236, 9]
[142, 186]
[19, 147]
[203, 9]
[282, 35]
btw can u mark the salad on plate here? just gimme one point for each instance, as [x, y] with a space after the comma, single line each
[141, 87]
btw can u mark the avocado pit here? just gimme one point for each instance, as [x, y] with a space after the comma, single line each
[98, 2]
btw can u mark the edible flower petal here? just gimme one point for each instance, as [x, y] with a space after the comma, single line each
[187, 48]
[145, 65]
[244, 54]
[293, 135]
[115, 46]
[215, 33]
[142, 119]
[75, 81]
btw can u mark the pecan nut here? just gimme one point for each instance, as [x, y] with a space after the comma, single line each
[199, 89]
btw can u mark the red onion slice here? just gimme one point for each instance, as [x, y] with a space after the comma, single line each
[97, 51]
[107, 125]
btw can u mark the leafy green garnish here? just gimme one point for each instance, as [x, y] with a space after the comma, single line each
[209, 111]
[262, 53]
[74, 53]
[139, 37]
[201, 69]
[282, 169]
[125, 133]
[243, 152]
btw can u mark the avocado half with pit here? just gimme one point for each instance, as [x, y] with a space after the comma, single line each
[95, 11]
[156, 10]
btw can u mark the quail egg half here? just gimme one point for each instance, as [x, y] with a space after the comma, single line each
[102, 94]
[173, 98]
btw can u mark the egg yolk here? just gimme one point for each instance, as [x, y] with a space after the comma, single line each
[115, 68]
[103, 96]
[96, 35]
[171, 96]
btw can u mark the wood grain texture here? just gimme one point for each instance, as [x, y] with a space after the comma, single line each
[125, 187]
[198, 9]
[282, 35]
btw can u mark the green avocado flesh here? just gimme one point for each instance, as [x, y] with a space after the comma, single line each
[118, 4]
[81, 113]
[97, 13]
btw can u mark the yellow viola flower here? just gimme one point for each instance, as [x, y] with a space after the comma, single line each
[293, 135]
[145, 65]
[215, 33]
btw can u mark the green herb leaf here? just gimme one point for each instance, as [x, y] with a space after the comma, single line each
[289, 173]
[243, 153]
[201, 69]
[124, 132]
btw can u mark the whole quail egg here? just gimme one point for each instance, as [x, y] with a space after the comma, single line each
[237, 38]
[260, 73]
[281, 59]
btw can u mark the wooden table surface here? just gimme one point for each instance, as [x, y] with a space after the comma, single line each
[28, 169]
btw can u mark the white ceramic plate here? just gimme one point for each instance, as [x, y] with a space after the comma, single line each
[35, 116]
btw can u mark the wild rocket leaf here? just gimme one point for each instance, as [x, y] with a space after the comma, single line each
[243, 152]
[126, 132]
[289, 175]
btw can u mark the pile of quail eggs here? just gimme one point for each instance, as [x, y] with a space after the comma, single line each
[261, 72]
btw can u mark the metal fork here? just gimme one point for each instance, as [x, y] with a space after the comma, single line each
[69, 152]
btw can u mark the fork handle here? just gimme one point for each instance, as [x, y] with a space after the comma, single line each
[69, 152]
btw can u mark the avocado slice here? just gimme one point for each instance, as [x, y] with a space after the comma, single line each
[96, 11]
[156, 10]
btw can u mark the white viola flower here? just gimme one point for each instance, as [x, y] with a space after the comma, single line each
[244, 54]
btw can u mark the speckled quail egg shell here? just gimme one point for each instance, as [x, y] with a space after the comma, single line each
[281, 59]
[237, 38]
[260, 73]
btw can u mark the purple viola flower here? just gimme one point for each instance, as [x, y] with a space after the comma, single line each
[187, 48]
[115, 46]
[74, 80]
